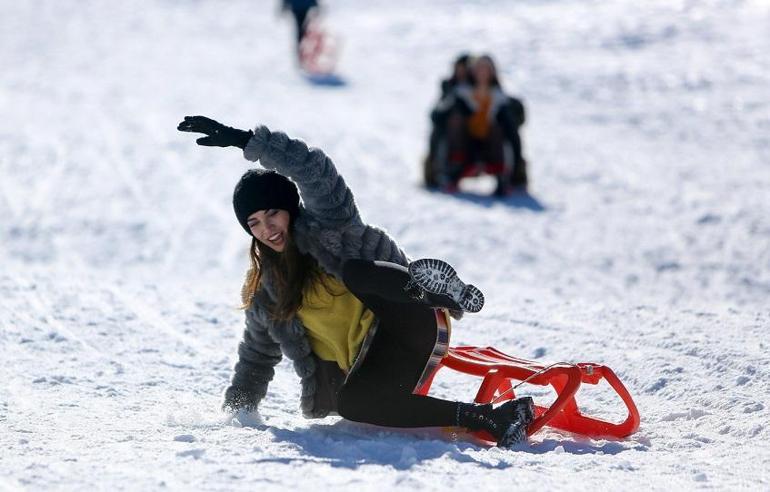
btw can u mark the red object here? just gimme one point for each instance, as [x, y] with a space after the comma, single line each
[318, 49]
[498, 370]
[479, 168]
[472, 169]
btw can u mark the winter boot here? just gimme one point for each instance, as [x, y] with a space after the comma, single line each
[503, 189]
[441, 287]
[519, 174]
[506, 423]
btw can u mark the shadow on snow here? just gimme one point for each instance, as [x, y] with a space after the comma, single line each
[325, 79]
[517, 199]
[348, 444]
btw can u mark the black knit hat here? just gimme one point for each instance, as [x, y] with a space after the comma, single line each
[261, 189]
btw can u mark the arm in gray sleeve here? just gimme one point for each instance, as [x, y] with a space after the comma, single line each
[324, 193]
[258, 354]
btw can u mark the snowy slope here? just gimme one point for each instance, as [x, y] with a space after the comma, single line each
[645, 244]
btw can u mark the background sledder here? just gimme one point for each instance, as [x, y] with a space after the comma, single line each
[476, 130]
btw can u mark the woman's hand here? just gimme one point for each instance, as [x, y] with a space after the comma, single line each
[238, 399]
[217, 134]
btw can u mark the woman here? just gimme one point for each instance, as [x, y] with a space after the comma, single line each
[439, 116]
[335, 295]
[484, 118]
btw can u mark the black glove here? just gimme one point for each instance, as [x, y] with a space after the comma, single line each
[218, 135]
[238, 399]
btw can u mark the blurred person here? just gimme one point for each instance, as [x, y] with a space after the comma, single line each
[482, 119]
[361, 322]
[440, 113]
[460, 74]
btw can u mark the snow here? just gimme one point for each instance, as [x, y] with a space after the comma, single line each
[645, 244]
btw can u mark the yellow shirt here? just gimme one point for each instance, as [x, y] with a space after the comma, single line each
[336, 322]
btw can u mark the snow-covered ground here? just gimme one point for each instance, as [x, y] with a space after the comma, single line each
[645, 244]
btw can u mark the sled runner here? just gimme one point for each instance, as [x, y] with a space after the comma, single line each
[499, 371]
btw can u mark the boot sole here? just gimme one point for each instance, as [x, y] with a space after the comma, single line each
[438, 277]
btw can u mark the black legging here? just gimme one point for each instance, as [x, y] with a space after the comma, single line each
[380, 390]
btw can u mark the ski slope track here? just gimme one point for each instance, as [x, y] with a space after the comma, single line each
[644, 245]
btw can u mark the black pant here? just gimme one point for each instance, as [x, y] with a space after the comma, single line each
[380, 390]
[300, 20]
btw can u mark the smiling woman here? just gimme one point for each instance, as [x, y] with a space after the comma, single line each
[265, 203]
[335, 295]
[270, 227]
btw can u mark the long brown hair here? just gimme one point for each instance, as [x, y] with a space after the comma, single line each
[290, 272]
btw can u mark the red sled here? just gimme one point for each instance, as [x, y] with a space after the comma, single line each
[498, 370]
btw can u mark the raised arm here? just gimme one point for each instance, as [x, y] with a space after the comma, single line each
[325, 194]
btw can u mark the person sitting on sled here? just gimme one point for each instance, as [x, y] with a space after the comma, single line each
[337, 296]
[480, 119]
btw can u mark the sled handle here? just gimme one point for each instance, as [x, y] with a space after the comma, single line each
[564, 379]
[598, 427]
[571, 420]
[631, 423]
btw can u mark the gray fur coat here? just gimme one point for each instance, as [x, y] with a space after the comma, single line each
[329, 228]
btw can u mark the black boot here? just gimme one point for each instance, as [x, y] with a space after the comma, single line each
[506, 423]
[439, 286]
[519, 174]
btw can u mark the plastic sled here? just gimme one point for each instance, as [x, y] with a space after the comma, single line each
[499, 370]
[436, 167]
